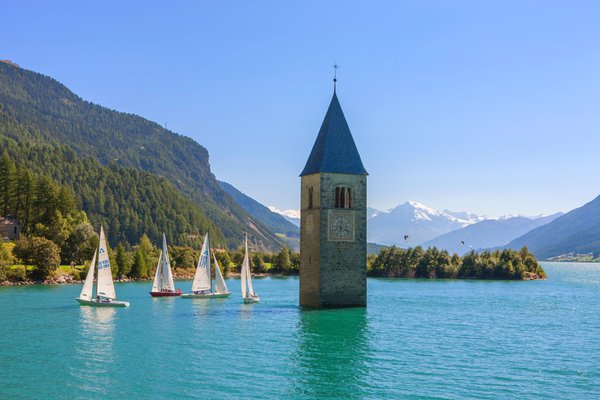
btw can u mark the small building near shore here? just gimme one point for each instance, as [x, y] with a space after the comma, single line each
[10, 228]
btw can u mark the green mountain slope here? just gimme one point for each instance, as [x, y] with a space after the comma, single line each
[275, 222]
[284, 229]
[577, 231]
[127, 201]
[36, 110]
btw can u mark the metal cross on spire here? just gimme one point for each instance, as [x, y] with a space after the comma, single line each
[335, 68]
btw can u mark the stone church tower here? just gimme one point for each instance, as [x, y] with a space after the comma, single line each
[333, 230]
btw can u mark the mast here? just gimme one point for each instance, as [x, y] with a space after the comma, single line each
[202, 279]
[106, 286]
[156, 286]
[243, 275]
[88, 286]
[166, 273]
[220, 285]
[248, 273]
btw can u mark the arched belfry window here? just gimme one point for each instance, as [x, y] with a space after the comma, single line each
[310, 197]
[348, 198]
[343, 197]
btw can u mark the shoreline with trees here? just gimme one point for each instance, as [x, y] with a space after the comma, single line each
[36, 261]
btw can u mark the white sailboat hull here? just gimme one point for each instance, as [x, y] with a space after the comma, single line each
[102, 303]
[251, 299]
[205, 295]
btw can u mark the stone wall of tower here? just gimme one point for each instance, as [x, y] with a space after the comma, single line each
[333, 272]
[310, 239]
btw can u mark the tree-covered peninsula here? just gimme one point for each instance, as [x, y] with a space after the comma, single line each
[439, 264]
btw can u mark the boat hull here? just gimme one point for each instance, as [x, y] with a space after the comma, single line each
[251, 299]
[165, 294]
[205, 295]
[94, 303]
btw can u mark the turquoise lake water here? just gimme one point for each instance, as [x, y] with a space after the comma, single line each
[417, 339]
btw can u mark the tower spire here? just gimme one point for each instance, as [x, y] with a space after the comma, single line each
[334, 150]
[335, 68]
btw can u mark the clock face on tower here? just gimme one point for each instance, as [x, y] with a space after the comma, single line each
[341, 226]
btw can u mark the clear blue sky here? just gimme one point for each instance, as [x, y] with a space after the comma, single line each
[485, 106]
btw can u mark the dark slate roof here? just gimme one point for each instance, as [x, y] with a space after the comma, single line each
[9, 220]
[334, 150]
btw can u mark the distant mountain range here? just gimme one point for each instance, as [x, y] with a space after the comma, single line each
[488, 233]
[415, 220]
[577, 231]
[446, 229]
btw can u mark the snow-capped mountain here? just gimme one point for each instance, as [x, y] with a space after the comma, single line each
[418, 221]
[291, 215]
[413, 223]
[423, 225]
[371, 212]
[466, 216]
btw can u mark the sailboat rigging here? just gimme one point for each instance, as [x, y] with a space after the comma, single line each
[163, 285]
[202, 284]
[106, 295]
[248, 293]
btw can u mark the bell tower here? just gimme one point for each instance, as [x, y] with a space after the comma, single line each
[333, 227]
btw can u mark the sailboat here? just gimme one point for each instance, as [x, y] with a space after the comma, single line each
[163, 285]
[248, 293]
[105, 287]
[202, 284]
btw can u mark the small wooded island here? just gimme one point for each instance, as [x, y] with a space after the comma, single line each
[439, 264]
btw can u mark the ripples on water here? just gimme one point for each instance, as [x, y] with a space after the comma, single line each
[417, 339]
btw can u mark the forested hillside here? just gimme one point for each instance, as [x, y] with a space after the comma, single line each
[134, 162]
[46, 209]
[128, 202]
[578, 231]
[275, 222]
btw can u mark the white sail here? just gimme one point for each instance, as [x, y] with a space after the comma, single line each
[202, 278]
[243, 278]
[247, 266]
[220, 285]
[157, 275]
[167, 275]
[106, 286]
[88, 285]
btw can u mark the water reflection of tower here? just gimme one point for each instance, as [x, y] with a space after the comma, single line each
[332, 354]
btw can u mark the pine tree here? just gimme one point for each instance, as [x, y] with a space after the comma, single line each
[282, 261]
[45, 202]
[150, 255]
[7, 182]
[138, 265]
[122, 261]
[257, 263]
